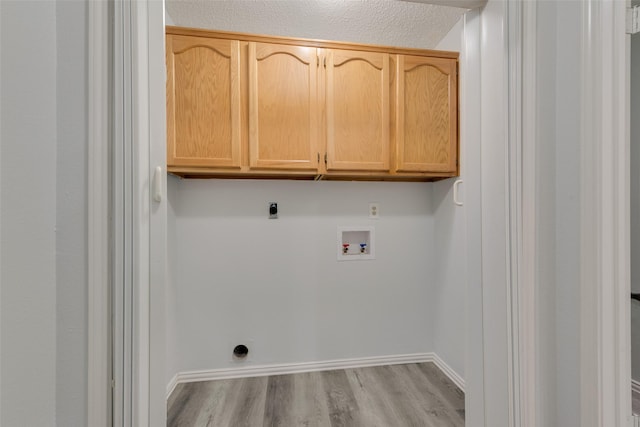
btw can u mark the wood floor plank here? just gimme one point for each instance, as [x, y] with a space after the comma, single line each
[250, 406]
[309, 403]
[408, 395]
[279, 400]
[421, 394]
[635, 402]
[217, 409]
[405, 402]
[173, 398]
[447, 389]
[213, 406]
[375, 408]
[189, 404]
[342, 405]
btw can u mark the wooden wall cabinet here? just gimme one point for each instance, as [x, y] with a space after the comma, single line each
[426, 114]
[272, 107]
[283, 107]
[357, 105]
[203, 102]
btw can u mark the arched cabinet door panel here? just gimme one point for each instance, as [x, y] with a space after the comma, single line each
[357, 110]
[283, 107]
[203, 102]
[426, 114]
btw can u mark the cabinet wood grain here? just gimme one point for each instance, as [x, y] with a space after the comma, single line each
[253, 106]
[357, 101]
[283, 106]
[426, 114]
[203, 102]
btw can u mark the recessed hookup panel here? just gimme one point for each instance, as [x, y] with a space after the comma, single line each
[356, 243]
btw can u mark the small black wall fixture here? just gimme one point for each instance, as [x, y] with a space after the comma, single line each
[240, 351]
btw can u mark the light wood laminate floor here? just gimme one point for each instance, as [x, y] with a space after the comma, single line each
[416, 394]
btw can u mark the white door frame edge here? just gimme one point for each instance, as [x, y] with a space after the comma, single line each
[605, 399]
[98, 363]
[605, 230]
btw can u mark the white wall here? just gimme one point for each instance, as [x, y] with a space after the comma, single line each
[235, 275]
[172, 281]
[43, 213]
[635, 204]
[546, 269]
[28, 215]
[1, 210]
[493, 178]
[71, 213]
[470, 133]
[567, 173]
[558, 203]
[449, 289]
[239, 276]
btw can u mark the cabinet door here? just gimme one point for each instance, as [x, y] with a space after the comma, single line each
[283, 107]
[203, 102]
[426, 114]
[357, 104]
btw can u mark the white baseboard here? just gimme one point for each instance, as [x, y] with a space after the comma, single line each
[294, 368]
[173, 383]
[635, 389]
[449, 372]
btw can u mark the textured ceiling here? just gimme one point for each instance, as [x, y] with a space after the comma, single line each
[384, 22]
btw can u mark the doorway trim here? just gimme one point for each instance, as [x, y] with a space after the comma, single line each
[147, 405]
[605, 369]
[98, 352]
[523, 217]
[605, 399]
[143, 393]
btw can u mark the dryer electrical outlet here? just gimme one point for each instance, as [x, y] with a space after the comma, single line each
[273, 210]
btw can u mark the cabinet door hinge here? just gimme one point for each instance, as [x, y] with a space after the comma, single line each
[318, 158]
[113, 383]
[317, 61]
[325, 158]
[325, 62]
